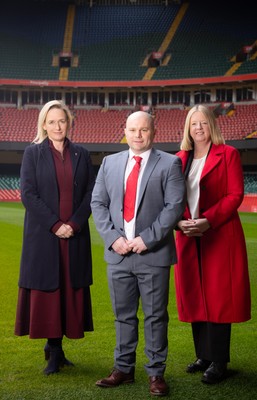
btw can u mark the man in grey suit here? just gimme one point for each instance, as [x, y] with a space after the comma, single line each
[139, 252]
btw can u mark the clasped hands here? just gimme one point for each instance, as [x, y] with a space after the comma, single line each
[64, 232]
[194, 227]
[124, 246]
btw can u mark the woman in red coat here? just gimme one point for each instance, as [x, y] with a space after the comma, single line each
[57, 179]
[211, 274]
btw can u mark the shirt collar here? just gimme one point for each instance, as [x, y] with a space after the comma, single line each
[145, 155]
[66, 143]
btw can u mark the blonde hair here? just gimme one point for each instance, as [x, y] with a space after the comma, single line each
[41, 132]
[216, 135]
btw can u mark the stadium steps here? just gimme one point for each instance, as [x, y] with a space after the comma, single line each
[233, 69]
[168, 38]
[67, 43]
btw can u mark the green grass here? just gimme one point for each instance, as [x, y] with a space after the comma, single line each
[22, 360]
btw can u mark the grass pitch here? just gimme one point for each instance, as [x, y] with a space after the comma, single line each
[22, 360]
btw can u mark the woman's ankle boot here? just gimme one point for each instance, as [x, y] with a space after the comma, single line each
[55, 356]
[63, 360]
[47, 351]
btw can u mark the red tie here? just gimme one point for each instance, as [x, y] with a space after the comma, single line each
[131, 190]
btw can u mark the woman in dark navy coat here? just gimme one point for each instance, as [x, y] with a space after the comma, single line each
[57, 179]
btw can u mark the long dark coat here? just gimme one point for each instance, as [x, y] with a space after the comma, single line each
[39, 267]
[216, 289]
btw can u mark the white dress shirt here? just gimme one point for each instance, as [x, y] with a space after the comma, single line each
[192, 184]
[130, 226]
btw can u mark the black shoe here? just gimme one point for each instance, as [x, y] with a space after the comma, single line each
[63, 359]
[198, 365]
[54, 361]
[215, 373]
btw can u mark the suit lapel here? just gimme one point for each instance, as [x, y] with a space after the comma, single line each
[152, 161]
[184, 156]
[47, 155]
[214, 157]
[119, 173]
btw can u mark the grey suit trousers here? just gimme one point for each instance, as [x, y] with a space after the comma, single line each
[130, 281]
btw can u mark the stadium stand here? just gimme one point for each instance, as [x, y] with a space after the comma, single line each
[205, 44]
[9, 188]
[202, 42]
[107, 126]
[107, 59]
[29, 33]
[105, 39]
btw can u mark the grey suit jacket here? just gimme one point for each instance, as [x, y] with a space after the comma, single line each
[160, 205]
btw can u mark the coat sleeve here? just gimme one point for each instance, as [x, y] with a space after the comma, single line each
[32, 181]
[101, 207]
[173, 205]
[83, 186]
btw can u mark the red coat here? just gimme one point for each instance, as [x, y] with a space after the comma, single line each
[216, 289]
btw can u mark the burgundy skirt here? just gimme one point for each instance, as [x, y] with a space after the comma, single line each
[65, 311]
